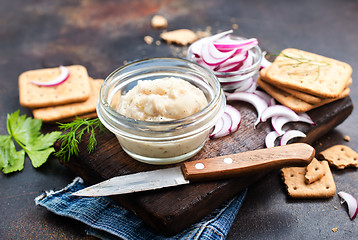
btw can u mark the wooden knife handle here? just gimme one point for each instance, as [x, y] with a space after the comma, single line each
[257, 161]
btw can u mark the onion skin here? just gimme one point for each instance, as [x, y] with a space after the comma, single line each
[351, 203]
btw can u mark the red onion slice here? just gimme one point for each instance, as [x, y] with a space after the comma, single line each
[240, 45]
[279, 121]
[304, 117]
[235, 117]
[225, 130]
[195, 48]
[220, 35]
[263, 95]
[212, 56]
[65, 73]
[248, 61]
[217, 127]
[270, 139]
[290, 135]
[351, 203]
[232, 64]
[279, 110]
[258, 102]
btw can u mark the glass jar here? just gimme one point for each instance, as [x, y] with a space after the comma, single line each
[160, 142]
[236, 79]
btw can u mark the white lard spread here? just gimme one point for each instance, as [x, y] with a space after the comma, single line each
[162, 100]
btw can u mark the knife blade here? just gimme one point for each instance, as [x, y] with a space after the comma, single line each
[229, 166]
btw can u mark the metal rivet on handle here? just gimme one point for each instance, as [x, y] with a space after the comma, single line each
[228, 160]
[199, 166]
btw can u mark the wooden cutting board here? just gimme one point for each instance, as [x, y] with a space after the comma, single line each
[170, 210]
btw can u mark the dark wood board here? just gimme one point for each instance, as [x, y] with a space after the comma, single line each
[168, 211]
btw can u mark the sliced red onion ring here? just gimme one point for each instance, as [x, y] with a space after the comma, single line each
[290, 135]
[225, 130]
[212, 56]
[279, 110]
[238, 45]
[235, 117]
[196, 46]
[65, 73]
[270, 139]
[248, 61]
[218, 126]
[232, 64]
[258, 102]
[351, 203]
[220, 35]
[278, 122]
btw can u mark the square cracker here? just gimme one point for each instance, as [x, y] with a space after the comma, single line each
[340, 156]
[294, 178]
[56, 113]
[296, 104]
[75, 89]
[310, 73]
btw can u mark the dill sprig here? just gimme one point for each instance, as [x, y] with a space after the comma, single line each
[73, 136]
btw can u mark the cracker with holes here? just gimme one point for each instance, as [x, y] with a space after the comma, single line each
[314, 171]
[294, 178]
[308, 98]
[309, 73]
[296, 104]
[340, 156]
[56, 113]
[75, 89]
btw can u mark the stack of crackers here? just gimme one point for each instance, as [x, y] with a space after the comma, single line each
[316, 180]
[303, 81]
[75, 97]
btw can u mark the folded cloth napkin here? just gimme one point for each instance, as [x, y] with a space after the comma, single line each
[108, 220]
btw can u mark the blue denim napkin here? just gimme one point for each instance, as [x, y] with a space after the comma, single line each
[108, 220]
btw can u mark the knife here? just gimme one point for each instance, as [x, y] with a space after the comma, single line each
[229, 166]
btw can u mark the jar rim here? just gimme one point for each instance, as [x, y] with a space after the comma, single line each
[104, 106]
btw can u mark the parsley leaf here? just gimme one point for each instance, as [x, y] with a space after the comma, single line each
[25, 131]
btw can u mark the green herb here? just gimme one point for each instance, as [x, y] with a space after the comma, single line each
[75, 131]
[25, 131]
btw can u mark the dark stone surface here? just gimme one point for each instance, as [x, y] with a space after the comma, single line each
[102, 35]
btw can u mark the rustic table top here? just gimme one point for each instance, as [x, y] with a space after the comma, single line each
[103, 35]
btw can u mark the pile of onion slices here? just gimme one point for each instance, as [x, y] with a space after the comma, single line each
[222, 53]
